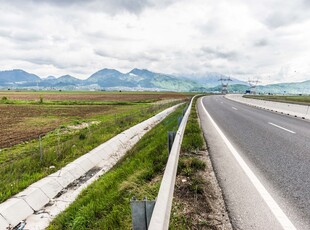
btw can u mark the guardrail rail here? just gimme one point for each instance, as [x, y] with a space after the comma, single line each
[161, 213]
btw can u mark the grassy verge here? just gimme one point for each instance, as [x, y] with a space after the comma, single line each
[21, 166]
[106, 203]
[189, 194]
[303, 100]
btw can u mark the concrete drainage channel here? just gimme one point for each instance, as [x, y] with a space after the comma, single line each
[37, 205]
[295, 110]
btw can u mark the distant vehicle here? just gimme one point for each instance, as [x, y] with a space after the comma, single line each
[248, 91]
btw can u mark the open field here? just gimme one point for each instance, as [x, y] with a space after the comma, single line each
[91, 96]
[303, 100]
[21, 121]
[68, 132]
[26, 122]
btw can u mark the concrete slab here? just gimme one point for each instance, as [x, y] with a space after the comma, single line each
[15, 210]
[75, 170]
[49, 186]
[3, 223]
[63, 177]
[94, 157]
[34, 197]
[85, 163]
[113, 145]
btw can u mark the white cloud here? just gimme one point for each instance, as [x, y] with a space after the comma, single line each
[242, 38]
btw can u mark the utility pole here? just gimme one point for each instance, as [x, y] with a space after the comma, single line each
[224, 82]
[253, 84]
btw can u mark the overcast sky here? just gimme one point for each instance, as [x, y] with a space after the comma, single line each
[266, 39]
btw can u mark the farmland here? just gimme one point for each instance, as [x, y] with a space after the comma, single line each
[90, 96]
[68, 129]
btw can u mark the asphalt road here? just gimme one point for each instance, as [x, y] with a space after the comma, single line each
[276, 148]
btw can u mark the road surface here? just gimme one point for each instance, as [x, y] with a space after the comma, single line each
[262, 162]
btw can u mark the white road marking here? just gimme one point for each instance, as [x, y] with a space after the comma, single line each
[280, 127]
[234, 108]
[272, 204]
[221, 102]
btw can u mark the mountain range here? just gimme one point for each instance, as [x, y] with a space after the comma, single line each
[139, 80]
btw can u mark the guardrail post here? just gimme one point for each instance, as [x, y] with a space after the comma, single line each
[142, 211]
[171, 136]
[180, 120]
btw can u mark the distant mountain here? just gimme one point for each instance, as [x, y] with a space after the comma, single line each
[17, 77]
[283, 88]
[141, 79]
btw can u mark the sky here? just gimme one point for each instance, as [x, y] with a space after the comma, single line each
[268, 40]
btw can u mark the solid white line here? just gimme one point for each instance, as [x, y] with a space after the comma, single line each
[280, 127]
[274, 207]
[234, 108]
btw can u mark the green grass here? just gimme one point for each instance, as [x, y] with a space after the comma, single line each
[20, 165]
[192, 140]
[303, 100]
[106, 203]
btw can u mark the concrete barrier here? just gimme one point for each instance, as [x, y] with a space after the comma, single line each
[301, 111]
[85, 163]
[76, 170]
[3, 223]
[63, 177]
[34, 197]
[14, 210]
[49, 186]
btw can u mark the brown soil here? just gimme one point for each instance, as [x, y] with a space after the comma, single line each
[129, 97]
[25, 122]
[203, 210]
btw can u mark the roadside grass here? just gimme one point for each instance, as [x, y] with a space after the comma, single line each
[21, 166]
[192, 140]
[303, 100]
[190, 183]
[105, 204]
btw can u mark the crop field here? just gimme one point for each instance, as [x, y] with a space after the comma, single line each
[68, 130]
[90, 96]
[25, 122]
[21, 121]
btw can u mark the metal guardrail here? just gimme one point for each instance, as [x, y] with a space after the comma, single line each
[161, 213]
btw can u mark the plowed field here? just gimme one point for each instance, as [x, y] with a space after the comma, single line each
[25, 122]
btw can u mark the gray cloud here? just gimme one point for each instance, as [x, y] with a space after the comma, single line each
[108, 6]
[219, 53]
[237, 37]
[261, 42]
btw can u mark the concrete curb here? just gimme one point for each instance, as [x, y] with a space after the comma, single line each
[295, 110]
[37, 195]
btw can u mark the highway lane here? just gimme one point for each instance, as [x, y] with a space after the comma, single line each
[275, 147]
